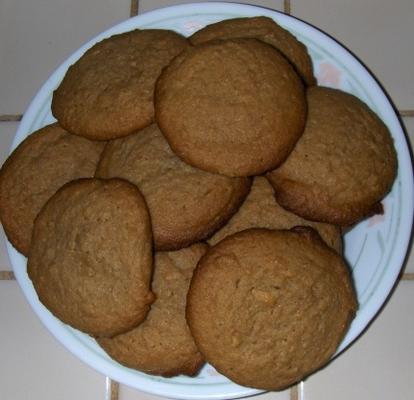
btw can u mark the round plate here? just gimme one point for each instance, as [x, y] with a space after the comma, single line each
[375, 249]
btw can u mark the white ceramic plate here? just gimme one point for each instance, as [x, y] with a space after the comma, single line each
[375, 249]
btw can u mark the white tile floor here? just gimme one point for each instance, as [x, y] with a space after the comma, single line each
[34, 365]
[37, 35]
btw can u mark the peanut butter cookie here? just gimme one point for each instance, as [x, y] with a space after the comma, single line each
[267, 308]
[91, 258]
[343, 165]
[108, 92]
[234, 107]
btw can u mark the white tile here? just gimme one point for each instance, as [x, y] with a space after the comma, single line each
[380, 32]
[33, 364]
[409, 266]
[380, 364]
[5, 264]
[283, 395]
[409, 128]
[127, 393]
[148, 5]
[38, 35]
[7, 132]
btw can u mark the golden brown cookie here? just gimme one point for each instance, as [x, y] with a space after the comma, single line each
[261, 210]
[91, 258]
[234, 107]
[343, 165]
[267, 308]
[162, 344]
[186, 204]
[267, 30]
[108, 92]
[38, 167]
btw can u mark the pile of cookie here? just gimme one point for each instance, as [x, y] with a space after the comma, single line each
[187, 207]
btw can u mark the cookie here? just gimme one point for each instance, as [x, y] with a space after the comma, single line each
[186, 204]
[38, 167]
[343, 165]
[91, 258]
[108, 92]
[162, 344]
[267, 308]
[267, 30]
[233, 107]
[261, 210]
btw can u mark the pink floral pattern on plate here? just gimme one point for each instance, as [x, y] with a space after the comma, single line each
[192, 26]
[329, 75]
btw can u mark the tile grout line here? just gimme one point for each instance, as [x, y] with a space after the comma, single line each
[10, 117]
[406, 113]
[408, 276]
[134, 8]
[7, 276]
[114, 390]
[294, 393]
[111, 389]
[286, 7]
